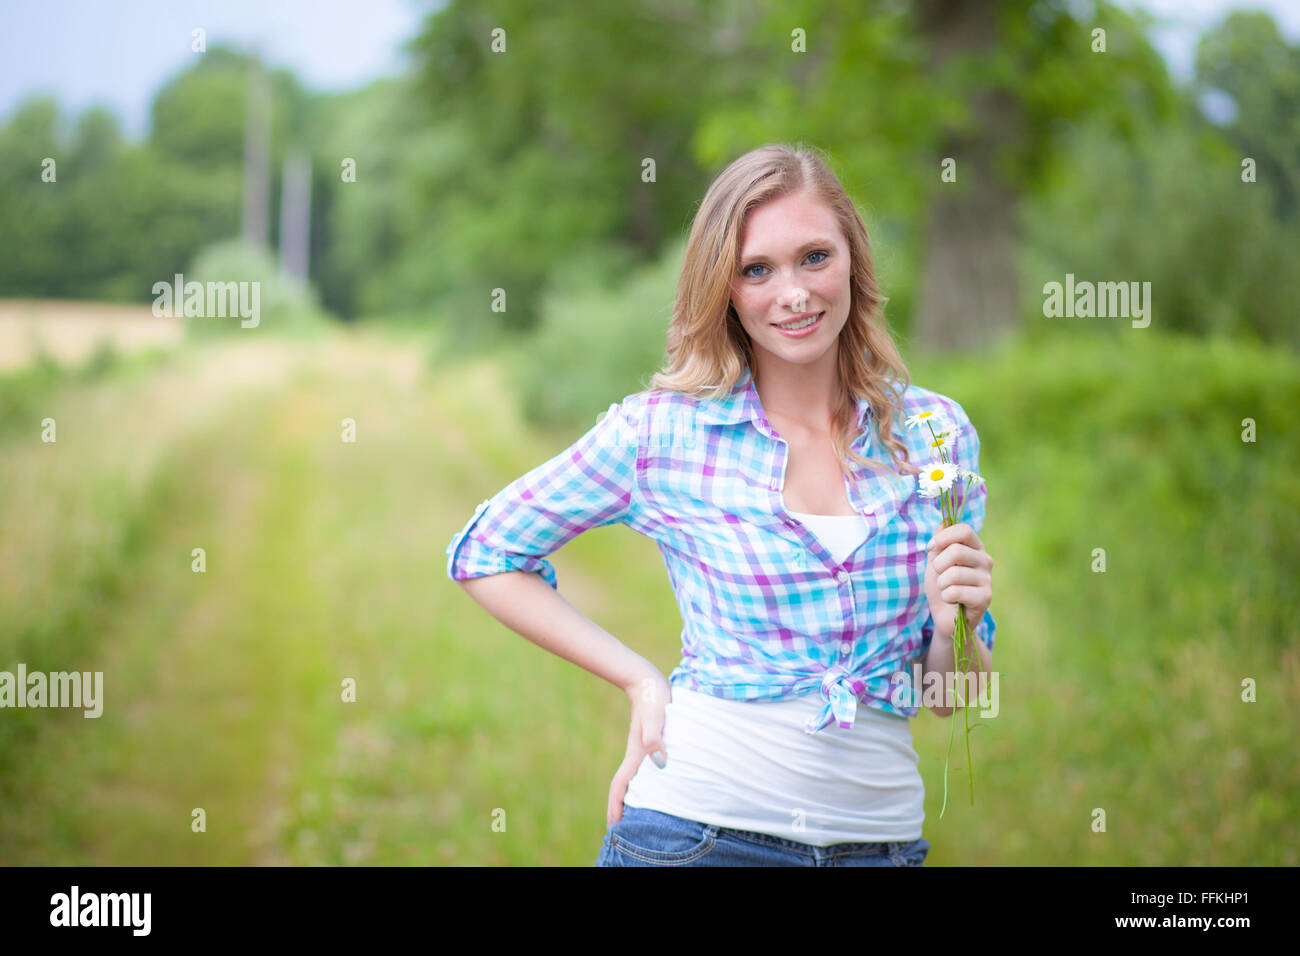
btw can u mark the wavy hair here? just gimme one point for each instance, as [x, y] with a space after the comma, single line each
[708, 349]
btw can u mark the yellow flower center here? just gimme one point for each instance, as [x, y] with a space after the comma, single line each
[925, 415]
[936, 475]
[937, 441]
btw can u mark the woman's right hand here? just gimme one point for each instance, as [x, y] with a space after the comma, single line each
[649, 696]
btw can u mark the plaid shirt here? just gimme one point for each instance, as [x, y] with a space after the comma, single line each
[767, 611]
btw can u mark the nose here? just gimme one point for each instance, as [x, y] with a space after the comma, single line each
[798, 300]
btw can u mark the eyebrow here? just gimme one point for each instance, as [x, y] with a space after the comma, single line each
[804, 248]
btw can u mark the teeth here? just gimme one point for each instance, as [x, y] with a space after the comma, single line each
[799, 325]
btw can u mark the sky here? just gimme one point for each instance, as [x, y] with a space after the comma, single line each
[120, 52]
[1185, 20]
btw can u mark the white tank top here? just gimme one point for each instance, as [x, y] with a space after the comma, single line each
[840, 533]
[748, 765]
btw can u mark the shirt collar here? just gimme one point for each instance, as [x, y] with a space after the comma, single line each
[742, 405]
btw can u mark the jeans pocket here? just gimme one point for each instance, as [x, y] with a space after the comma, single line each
[651, 838]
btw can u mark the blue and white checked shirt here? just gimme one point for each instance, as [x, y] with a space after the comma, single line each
[767, 611]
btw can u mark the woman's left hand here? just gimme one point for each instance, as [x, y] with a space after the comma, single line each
[957, 571]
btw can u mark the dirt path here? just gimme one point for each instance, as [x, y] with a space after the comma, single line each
[223, 689]
[69, 332]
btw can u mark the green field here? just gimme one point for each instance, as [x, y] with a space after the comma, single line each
[324, 561]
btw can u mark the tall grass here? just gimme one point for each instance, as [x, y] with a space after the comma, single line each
[1120, 691]
[1123, 688]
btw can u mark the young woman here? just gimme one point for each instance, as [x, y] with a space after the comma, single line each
[771, 464]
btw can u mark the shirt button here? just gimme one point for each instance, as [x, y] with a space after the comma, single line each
[845, 647]
[841, 576]
[775, 485]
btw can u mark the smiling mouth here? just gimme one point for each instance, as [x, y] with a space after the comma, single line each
[800, 323]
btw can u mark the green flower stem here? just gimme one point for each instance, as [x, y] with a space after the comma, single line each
[961, 645]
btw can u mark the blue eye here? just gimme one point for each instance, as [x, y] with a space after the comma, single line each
[820, 252]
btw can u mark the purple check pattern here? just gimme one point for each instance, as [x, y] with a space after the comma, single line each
[767, 611]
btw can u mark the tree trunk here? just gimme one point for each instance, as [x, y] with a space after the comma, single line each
[969, 289]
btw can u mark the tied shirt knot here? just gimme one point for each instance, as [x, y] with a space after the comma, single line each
[840, 690]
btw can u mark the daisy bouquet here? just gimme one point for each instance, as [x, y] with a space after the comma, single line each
[950, 483]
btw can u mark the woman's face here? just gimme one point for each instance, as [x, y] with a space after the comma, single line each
[793, 261]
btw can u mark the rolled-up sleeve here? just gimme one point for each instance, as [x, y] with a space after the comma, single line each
[967, 455]
[590, 484]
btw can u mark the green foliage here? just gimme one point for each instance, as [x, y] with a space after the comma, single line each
[198, 116]
[285, 304]
[375, 253]
[23, 392]
[1248, 59]
[1122, 689]
[121, 217]
[896, 90]
[1062, 83]
[543, 161]
[1174, 212]
[98, 139]
[480, 171]
[1135, 444]
[599, 339]
[115, 220]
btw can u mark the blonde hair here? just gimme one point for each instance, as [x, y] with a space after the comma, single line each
[708, 349]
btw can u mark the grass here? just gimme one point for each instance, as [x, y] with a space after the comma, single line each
[1122, 689]
[324, 564]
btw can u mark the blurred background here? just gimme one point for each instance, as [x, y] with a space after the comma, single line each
[466, 221]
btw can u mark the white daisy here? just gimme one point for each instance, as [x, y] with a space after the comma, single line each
[943, 441]
[968, 475]
[937, 476]
[938, 420]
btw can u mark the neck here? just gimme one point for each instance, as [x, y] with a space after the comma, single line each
[807, 394]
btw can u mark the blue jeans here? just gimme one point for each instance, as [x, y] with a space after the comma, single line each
[649, 838]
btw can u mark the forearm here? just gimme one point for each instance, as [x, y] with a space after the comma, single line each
[530, 607]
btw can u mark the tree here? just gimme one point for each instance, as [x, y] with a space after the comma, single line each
[1025, 75]
[1247, 58]
[552, 135]
[891, 90]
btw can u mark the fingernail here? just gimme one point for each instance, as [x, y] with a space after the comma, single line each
[659, 759]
